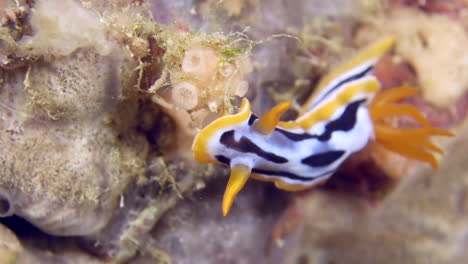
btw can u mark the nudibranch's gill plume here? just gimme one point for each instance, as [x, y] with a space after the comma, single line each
[338, 120]
[413, 143]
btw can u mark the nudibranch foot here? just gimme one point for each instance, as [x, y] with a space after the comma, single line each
[283, 185]
[413, 143]
[298, 187]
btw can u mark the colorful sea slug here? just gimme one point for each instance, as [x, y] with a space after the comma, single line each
[345, 112]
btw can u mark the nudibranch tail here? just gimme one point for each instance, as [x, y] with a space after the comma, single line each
[239, 176]
[413, 143]
[363, 59]
[267, 123]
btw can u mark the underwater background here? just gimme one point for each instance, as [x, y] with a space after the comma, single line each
[100, 102]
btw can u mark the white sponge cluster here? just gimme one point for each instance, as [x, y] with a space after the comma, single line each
[208, 79]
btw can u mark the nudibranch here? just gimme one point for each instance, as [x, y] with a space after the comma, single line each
[339, 119]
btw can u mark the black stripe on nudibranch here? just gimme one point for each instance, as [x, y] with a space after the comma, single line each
[294, 136]
[291, 176]
[245, 145]
[351, 78]
[223, 159]
[345, 122]
[284, 174]
[252, 118]
[323, 159]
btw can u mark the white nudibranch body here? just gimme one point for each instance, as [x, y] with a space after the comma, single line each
[338, 120]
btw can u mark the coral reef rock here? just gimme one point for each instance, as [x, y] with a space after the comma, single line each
[65, 158]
